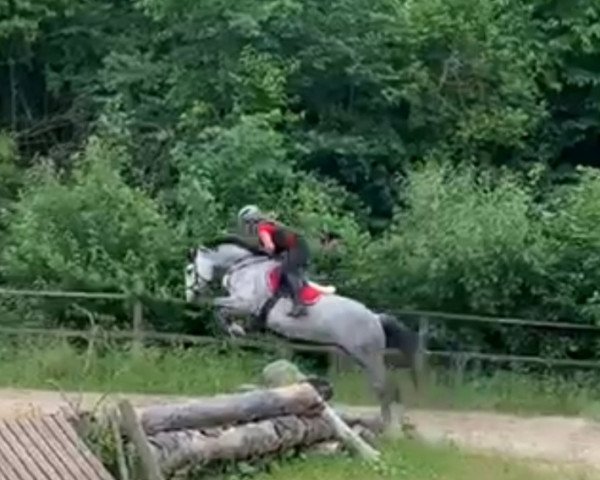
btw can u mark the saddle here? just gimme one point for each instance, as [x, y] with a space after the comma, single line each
[310, 294]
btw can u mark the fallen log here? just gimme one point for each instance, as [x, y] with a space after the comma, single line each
[222, 410]
[181, 449]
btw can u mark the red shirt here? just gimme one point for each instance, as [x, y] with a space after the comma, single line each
[282, 239]
[266, 227]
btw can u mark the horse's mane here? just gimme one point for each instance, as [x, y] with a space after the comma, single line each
[236, 240]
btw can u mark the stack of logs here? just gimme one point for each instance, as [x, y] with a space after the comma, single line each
[235, 427]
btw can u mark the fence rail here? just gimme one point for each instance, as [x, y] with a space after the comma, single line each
[431, 315]
[448, 317]
[279, 345]
[137, 334]
[13, 292]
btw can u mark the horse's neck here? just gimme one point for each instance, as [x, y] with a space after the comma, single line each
[228, 255]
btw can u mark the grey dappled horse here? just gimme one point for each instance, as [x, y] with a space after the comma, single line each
[333, 320]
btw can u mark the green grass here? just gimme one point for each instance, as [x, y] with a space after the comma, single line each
[412, 460]
[207, 370]
[57, 364]
[500, 391]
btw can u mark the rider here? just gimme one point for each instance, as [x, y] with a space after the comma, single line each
[278, 239]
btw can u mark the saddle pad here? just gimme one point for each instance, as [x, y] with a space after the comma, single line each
[309, 294]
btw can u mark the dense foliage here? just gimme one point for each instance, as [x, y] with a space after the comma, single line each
[439, 138]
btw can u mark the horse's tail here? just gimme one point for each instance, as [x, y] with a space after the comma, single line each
[398, 336]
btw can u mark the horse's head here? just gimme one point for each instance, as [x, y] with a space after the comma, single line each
[199, 272]
[204, 264]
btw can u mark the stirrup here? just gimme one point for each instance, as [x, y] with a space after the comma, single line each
[298, 310]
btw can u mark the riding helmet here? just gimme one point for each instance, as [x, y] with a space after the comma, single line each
[249, 212]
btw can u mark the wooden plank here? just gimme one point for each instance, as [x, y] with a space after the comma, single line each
[6, 471]
[57, 464]
[22, 461]
[84, 470]
[88, 460]
[35, 455]
[61, 458]
[46, 448]
[13, 467]
[65, 452]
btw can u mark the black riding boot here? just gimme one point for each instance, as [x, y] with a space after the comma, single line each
[295, 285]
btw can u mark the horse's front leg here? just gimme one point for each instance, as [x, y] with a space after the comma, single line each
[226, 309]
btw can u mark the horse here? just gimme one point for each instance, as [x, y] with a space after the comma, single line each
[251, 277]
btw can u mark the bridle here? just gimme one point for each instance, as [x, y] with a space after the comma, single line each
[192, 254]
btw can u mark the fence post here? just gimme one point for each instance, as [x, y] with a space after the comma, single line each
[422, 356]
[138, 316]
[334, 363]
[460, 365]
[284, 350]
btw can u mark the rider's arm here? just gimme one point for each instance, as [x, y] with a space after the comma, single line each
[265, 234]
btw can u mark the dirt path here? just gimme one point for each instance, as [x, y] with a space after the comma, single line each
[573, 441]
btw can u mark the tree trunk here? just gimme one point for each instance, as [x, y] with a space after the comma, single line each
[223, 410]
[181, 449]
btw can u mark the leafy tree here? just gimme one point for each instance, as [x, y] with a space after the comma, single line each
[409, 128]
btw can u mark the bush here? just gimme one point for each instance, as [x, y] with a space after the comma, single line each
[466, 242]
[91, 231]
[572, 225]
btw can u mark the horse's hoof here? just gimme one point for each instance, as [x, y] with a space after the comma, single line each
[236, 331]
[393, 423]
[409, 429]
[393, 432]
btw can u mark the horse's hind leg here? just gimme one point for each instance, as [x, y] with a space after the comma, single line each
[386, 390]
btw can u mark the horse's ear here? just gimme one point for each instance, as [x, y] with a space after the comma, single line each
[191, 254]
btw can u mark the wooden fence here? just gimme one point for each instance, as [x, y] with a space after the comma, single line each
[424, 319]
